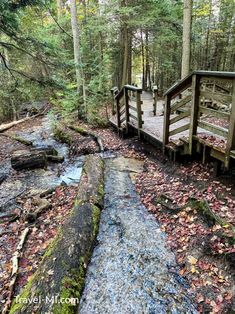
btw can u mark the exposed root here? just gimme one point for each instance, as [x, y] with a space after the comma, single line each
[43, 204]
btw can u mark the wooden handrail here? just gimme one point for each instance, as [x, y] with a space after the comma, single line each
[133, 88]
[119, 94]
[184, 83]
[179, 86]
[123, 95]
[215, 73]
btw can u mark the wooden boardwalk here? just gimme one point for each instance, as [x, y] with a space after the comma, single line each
[154, 125]
[196, 116]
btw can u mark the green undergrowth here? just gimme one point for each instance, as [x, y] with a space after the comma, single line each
[61, 135]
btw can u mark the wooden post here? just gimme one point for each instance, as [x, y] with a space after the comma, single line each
[155, 89]
[194, 110]
[114, 92]
[139, 111]
[118, 114]
[231, 130]
[126, 102]
[166, 130]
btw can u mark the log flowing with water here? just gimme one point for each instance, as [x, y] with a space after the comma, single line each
[61, 273]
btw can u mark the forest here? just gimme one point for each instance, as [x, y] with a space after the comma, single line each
[115, 42]
[117, 159]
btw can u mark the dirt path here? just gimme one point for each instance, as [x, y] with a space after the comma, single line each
[131, 271]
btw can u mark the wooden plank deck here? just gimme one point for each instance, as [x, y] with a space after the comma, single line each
[153, 125]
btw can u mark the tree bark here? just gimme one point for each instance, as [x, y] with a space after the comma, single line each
[76, 43]
[185, 68]
[147, 63]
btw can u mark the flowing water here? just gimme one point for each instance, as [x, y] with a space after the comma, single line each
[67, 173]
[131, 270]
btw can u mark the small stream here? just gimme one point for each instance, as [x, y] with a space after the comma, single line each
[66, 173]
[131, 270]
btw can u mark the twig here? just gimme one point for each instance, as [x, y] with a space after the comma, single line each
[60, 27]
[15, 268]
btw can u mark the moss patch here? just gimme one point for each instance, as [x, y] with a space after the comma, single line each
[26, 293]
[72, 286]
[96, 219]
[61, 135]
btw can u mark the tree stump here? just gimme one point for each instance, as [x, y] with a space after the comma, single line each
[28, 160]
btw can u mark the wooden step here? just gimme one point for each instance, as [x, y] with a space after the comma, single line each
[173, 147]
[232, 154]
[184, 139]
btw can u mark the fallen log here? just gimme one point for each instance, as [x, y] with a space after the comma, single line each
[18, 139]
[60, 276]
[48, 150]
[7, 126]
[86, 133]
[55, 158]
[28, 160]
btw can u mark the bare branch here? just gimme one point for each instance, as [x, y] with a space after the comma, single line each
[6, 66]
[60, 27]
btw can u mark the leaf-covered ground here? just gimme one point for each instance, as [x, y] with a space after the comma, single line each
[200, 245]
[204, 247]
[41, 234]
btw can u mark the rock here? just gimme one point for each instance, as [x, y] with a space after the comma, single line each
[28, 160]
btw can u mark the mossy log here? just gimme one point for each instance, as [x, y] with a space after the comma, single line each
[18, 139]
[86, 133]
[57, 284]
[23, 159]
[61, 135]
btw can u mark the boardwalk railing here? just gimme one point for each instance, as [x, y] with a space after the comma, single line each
[127, 106]
[196, 95]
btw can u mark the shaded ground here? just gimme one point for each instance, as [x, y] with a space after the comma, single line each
[131, 270]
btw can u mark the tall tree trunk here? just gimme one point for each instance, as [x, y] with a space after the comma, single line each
[143, 61]
[129, 75]
[14, 113]
[206, 63]
[126, 57]
[185, 68]
[147, 65]
[76, 43]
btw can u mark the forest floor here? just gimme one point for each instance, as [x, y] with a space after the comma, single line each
[202, 240]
